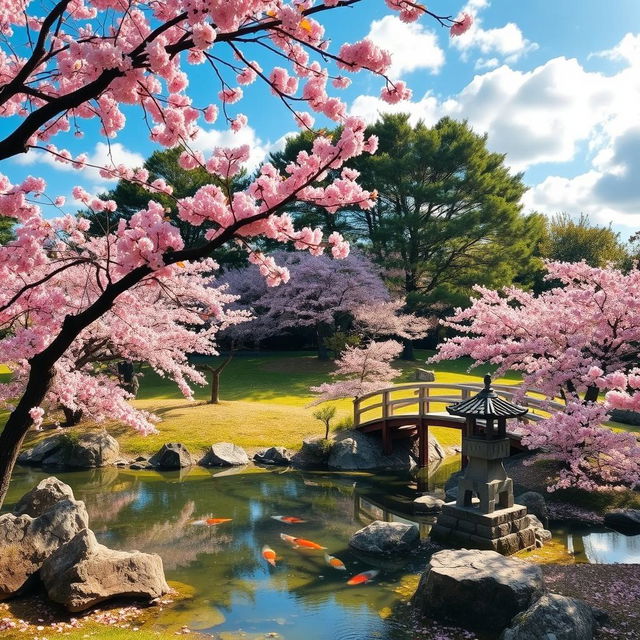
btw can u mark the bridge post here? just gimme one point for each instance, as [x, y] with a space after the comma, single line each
[423, 444]
[356, 412]
[386, 440]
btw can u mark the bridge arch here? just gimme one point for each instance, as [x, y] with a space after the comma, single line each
[409, 410]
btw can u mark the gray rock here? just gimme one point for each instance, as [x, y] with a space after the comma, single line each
[553, 617]
[425, 375]
[172, 455]
[274, 455]
[536, 505]
[224, 454]
[542, 534]
[625, 416]
[42, 497]
[626, 521]
[477, 589]
[140, 466]
[26, 542]
[42, 450]
[427, 504]
[357, 451]
[83, 573]
[386, 538]
[91, 450]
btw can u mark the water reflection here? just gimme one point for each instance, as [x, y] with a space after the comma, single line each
[233, 589]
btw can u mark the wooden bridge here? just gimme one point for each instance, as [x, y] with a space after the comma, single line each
[409, 410]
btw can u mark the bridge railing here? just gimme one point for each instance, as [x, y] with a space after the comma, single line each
[428, 398]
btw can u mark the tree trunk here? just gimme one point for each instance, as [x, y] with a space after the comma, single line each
[71, 416]
[407, 351]
[214, 397]
[20, 421]
[323, 352]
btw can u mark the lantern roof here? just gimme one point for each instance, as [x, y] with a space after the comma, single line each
[487, 404]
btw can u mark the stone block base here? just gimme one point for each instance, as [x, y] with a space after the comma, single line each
[506, 531]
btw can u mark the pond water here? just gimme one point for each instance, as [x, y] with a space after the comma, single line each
[234, 592]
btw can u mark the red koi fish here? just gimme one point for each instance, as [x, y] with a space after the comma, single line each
[289, 519]
[211, 521]
[364, 577]
[269, 555]
[334, 562]
[300, 542]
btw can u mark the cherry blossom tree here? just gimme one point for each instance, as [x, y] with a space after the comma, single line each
[322, 294]
[159, 321]
[367, 368]
[77, 60]
[360, 370]
[578, 341]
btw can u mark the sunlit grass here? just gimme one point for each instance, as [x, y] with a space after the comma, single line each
[264, 402]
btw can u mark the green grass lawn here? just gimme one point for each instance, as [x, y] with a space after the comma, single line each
[264, 402]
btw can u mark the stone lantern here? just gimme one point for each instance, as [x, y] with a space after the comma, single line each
[484, 515]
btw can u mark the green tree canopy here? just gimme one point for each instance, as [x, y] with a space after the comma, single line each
[447, 214]
[569, 240]
[6, 229]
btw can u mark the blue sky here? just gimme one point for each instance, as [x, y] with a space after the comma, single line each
[556, 86]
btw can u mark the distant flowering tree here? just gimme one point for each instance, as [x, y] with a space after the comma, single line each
[579, 341]
[363, 369]
[321, 293]
[76, 60]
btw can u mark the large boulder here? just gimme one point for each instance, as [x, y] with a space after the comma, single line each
[542, 535]
[87, 451]
[26, 542]
[91, 450]
[172, 455]
[42, 497]
[83, 573]
[477, 589]
[553, 616]
[355, 451]
[386, 538]
[626, 521]
[224, 454]
[42, 450]
[274, 455]
[536, 505]
[314, 453]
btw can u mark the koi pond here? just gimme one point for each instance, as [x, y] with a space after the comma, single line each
[233, 591]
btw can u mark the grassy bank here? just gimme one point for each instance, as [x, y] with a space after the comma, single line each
[265, 401]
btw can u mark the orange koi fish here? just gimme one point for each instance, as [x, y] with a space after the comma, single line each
[211, 521]
[289, 519]
[334, 562]
[269, 555]
[300, 542]
[364, 577]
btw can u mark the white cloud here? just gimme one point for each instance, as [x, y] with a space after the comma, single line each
[507, 42]
[551, 114]
[103, 155]
[627, 50]
[411, 45]
[609, 192]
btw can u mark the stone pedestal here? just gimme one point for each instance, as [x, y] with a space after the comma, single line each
[504, 530]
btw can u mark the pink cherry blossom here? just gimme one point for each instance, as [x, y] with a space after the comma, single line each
[462, 24]
[572, 342]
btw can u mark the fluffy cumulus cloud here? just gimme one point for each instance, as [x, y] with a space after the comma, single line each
[412, 46]
[557, 112]
[491, 46]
